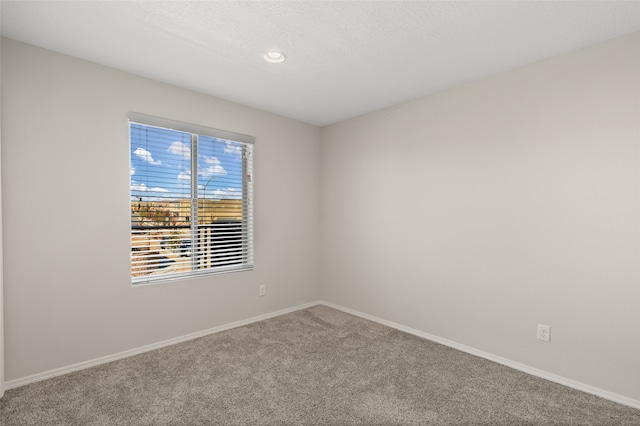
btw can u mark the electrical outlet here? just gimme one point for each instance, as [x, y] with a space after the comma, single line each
[263, 289]
[544, 333]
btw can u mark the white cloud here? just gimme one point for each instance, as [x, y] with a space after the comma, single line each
[228, 194]
[184, 176]
[232, 148]
[139, 187]
[132, 171]
[214, 169]
[144, 188]
[178, 148]
[211, 160]
[146, 156]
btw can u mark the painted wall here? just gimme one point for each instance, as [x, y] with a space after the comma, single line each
[479, 212]
[1, 255]
[65, 169]
[473, 214]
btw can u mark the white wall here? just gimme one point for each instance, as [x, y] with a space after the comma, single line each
[479, 212]
[473, 214]
[1, 255]
[65, 163]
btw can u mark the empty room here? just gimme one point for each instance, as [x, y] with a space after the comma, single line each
[320, 213]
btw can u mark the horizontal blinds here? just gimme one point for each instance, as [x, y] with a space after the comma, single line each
[191, 202]
[195, 129]
[160, 201]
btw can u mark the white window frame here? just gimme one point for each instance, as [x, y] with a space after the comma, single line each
[247, 200]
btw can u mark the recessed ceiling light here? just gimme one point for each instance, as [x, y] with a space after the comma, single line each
[274, 57]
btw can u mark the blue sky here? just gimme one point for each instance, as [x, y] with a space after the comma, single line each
[161, 165]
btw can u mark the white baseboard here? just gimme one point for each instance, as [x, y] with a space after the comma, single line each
[109, 358]
[495, 358]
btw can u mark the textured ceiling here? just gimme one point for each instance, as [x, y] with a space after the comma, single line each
[344, 58]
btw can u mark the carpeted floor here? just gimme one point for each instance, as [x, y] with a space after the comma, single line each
[317, 366]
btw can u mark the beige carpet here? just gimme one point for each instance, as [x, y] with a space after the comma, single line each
[317, 366]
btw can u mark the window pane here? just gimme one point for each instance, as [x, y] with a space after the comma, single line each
[160, 201]
[220, 205]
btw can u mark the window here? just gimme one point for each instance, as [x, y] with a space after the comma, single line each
[191, 200]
